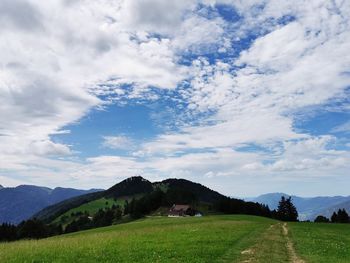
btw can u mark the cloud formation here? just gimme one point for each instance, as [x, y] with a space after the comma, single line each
[238, 82]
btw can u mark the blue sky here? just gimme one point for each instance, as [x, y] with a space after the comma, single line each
[246, 97]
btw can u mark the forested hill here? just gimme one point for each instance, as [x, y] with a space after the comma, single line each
[151, 196]
[202, 193]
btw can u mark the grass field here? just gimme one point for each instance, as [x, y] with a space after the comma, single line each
[235, 238]
[206, 239]
[322, 243]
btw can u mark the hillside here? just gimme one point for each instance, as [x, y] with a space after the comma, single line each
[151, 196]
[308, 208]
[225, 239]
[22, 202]
[206, 239]
[129, 187]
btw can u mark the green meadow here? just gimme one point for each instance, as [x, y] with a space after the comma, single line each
[235, 238]
[322, 242]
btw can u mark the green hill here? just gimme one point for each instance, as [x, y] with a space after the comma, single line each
[172, 191]
[130, 187]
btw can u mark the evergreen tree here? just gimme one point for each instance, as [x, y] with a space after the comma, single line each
[32, 228]
[334, 217]
[8, 232]
[126, 207]
[286, 210]
[343, 216]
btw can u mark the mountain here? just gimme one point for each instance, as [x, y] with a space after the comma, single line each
[175, 191]
[202, 193]
[308, 207]
[22, 202]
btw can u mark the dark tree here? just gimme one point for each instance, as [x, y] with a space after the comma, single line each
[321, 219]
[126, 207]
[334, 217]
[32, 228]
[340, 217]
[8, 232]
[343, 216]
[286, 210]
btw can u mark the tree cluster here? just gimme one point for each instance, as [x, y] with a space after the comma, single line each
[321, 219]
[340, 217]
[337, 217]
[286, 210]
[228, 205]
[103, 217]
[29, 229]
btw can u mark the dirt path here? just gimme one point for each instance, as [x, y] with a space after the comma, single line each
[293, 255]
[273, 246]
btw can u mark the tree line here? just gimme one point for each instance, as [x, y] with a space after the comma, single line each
[337, 217]
[28, 229]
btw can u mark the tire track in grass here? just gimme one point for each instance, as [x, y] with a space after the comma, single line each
[233, 254]
[293, 255]
[272, 246]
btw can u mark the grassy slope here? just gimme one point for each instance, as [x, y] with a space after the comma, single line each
[206, 239]
[91, 207]
[321, 243]
[235, 238]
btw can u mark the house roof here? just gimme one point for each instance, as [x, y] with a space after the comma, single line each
[180, 207]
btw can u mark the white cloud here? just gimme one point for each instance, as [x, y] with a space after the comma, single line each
[117, 142]
[58, 57]
[312, 155]
[345, 127]
[156, 15]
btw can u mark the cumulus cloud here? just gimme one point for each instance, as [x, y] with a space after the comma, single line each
[239, 82]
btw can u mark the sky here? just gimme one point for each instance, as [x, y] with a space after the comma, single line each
[244, 96]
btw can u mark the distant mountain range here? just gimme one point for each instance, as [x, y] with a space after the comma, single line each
[308, 207]
[22, 202]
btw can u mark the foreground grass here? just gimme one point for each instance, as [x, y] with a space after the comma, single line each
[223, 239]
[271, 246]
[206, 239]
[321, 243]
